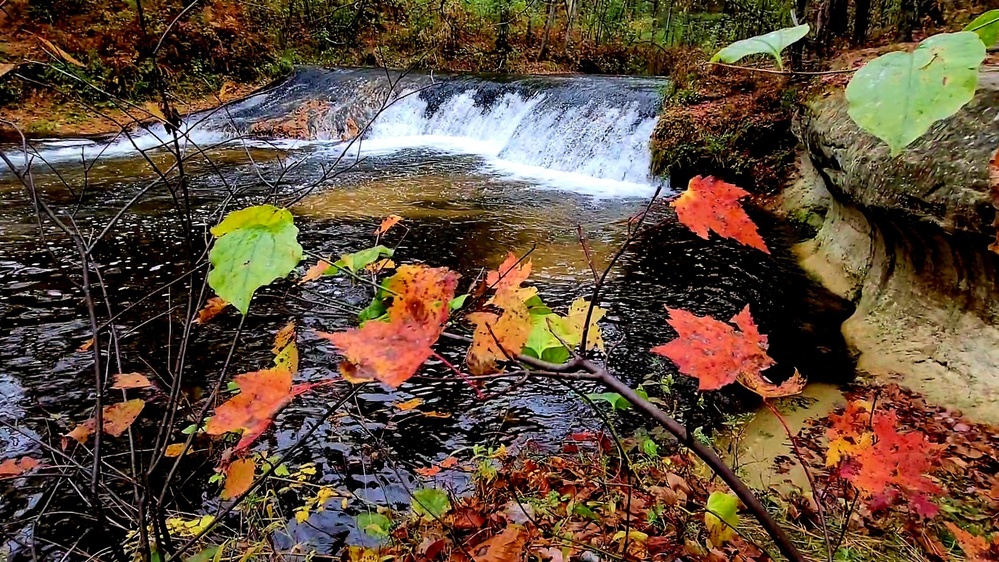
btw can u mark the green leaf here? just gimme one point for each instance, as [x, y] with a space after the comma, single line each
[537, 307]
[205, 555]
[255, 246]
[617, 401]
[373, 311]
[726, 507]
[584, 511]
[772, 44]
[457, 302]
[898, 96]
[374, 524]
[359, 260]
[987, 27]
[430, 503]
[542, 343]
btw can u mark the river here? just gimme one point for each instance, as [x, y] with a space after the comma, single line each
[477, 166]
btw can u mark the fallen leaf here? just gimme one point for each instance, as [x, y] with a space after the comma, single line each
[59, 53]
[974, 547]
[712, 204]
[86, 345]
[119, 417]
[712, 351]
[123, 381]
[6, 67]
[17, 467]
[238, 478]
[80, 433]
[174, 450]
[388, 223]
[409, 404]
[212, 308]
[507, 546]
[428, 472]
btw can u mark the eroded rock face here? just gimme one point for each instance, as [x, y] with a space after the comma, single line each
[906, 239]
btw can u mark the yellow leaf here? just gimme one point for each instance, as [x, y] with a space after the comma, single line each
[174, 450]
[409, 404]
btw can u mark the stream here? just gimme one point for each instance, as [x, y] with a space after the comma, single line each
[477, 166]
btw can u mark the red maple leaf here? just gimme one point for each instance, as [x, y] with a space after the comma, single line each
[882, 463]
[711, 204]
[714, 352]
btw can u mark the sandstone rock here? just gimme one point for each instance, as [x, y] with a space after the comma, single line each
[906, 239]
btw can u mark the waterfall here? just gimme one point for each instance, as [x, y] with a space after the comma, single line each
[589, 131]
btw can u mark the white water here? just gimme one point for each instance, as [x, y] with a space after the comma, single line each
[590, 147]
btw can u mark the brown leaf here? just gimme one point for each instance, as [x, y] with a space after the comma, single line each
[119, 417]
[212, 308]
[507, 546]
[59, 53]
[238, 478]
[6, 67]
[409, 404]
[17, 467]
[123, 381]
[755, 382]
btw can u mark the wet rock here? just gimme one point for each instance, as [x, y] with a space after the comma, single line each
[906, 239]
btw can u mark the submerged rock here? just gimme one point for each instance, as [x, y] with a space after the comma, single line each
[906, 238]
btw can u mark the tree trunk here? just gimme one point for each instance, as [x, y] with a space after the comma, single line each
[861, 21]
[543, 54]
[906, 19]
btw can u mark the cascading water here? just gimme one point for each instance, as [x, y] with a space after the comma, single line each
[583, 133]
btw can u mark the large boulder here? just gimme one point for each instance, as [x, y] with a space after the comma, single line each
[906, 239]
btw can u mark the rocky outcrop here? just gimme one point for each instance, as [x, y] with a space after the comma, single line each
[906, 239]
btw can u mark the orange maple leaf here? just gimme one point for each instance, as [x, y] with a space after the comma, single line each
[213, 307]
[507, 546]
[501, 337]
[262, 394]
[713, 352]
[123, 381]
[17, 467]
[392, 351]
[238, 478]
[119, 417]
[388, 223]
[315, 272]
[976, 549]
[712, 204]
